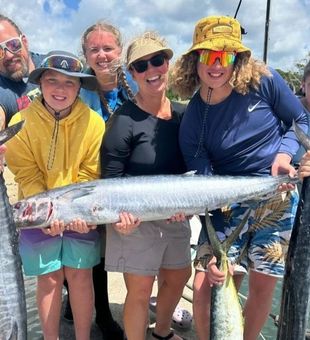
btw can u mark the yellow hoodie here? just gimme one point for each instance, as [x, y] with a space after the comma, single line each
[76, 156]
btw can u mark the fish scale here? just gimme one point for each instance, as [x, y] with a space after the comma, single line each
[295, 300]
[147, 197]
[13, 321]
[13, 312]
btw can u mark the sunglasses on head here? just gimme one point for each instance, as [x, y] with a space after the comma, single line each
[13, 45]
[141, 65]
[209, 57]
[63, 62]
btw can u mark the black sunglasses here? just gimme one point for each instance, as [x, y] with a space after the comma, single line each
[141, 65]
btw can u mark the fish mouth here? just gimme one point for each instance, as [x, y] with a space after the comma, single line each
[33, 214]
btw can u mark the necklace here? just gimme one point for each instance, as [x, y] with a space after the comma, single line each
[204, 122]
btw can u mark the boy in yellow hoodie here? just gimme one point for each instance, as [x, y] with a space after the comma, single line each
[59, 145]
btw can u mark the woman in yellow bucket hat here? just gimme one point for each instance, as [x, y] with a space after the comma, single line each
[238, 122]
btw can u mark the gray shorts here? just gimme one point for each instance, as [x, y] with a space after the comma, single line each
[153, 245]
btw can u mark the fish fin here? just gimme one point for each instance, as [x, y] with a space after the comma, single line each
[75, 193]
[270, 213]
[302, 137]
[10, 132]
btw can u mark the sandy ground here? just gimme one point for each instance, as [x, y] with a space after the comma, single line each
[117, 294]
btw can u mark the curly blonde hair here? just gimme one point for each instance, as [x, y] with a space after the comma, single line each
[184, 79]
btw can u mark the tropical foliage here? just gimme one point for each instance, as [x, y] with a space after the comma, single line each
[294, 78]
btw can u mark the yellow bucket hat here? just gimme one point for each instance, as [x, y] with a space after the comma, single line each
[218, 33]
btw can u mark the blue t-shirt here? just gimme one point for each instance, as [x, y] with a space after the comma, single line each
[115, 98]
[16, 95]
[243, 133]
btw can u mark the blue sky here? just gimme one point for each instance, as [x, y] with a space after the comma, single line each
[74, 4]
[59, 24]
[67, 7]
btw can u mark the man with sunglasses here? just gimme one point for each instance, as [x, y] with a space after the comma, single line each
[16, 62]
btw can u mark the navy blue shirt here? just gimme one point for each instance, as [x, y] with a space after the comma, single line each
[242, 134]
[16, 95]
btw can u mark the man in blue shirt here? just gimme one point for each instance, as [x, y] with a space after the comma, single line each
[16, 62]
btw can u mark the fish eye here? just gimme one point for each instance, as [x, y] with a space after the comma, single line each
[17, 205]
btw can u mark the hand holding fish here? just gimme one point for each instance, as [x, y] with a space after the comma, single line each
[178, 217]
[2, 151]
[80, 226]
[304, 168]
[126, 224]
[280, 166]
[57, 227]
[215, 276]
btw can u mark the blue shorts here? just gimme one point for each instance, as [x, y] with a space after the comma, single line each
[262, 244]
[42, 254]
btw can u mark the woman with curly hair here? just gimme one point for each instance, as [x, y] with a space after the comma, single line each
[238, 122]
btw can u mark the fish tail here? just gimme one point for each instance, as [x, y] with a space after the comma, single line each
[219, 249]
[302, 137]
[10, 132]
[216, 245]
[234, 235]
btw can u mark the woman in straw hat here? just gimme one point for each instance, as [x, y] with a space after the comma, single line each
[58, 145]
[238, 123]
[142, 139]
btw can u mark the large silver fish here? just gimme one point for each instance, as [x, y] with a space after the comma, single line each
[295, 303]
[13, 313]
[147, 197]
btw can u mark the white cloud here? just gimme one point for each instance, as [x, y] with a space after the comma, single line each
[61, 28]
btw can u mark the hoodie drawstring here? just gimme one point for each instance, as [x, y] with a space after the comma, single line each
[52, 149]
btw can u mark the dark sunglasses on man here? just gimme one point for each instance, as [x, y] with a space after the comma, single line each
[157, 60]
[13, 45]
